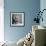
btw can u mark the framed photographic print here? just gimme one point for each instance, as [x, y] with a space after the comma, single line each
[17, 18]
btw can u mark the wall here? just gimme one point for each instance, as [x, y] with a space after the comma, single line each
[1, 21]
[43, 6]
[30, 7]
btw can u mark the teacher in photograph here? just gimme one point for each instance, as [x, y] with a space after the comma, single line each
[14, 19]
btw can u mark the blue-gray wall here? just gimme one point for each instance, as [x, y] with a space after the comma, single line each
[30, 7]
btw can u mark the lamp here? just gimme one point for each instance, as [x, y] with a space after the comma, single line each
[39, 16]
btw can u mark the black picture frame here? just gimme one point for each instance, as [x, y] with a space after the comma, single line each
[17, 19]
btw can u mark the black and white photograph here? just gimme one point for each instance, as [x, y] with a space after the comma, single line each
[17, 18]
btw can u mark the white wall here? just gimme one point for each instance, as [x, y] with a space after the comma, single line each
[1, 20]
[43, 6]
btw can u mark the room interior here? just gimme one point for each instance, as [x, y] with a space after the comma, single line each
[27, 32]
